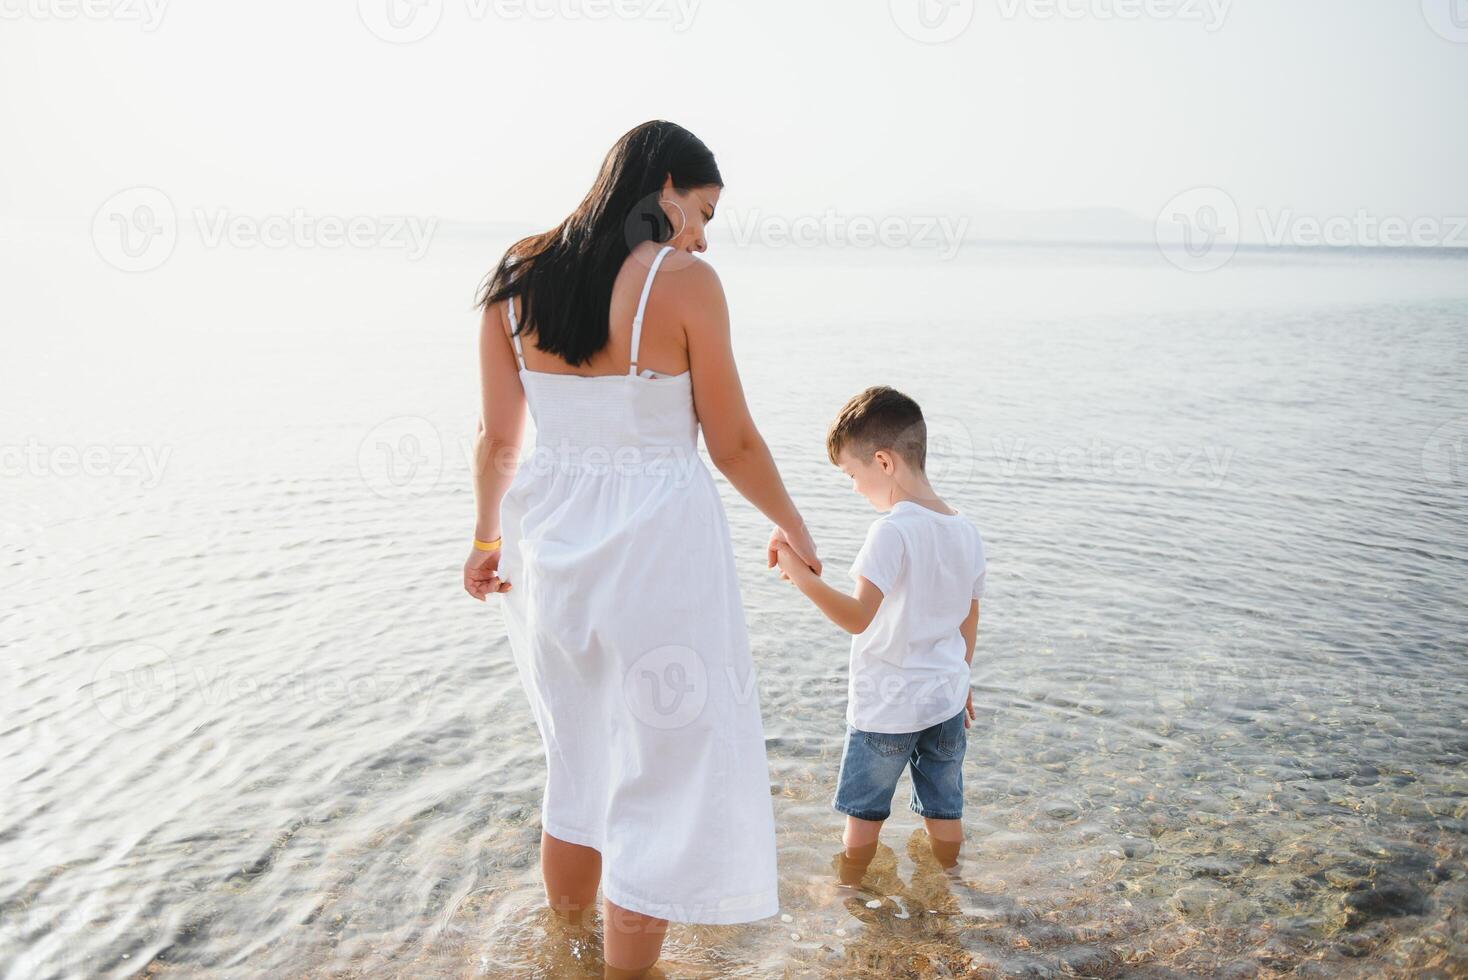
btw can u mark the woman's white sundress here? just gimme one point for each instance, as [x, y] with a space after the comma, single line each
[629, 636]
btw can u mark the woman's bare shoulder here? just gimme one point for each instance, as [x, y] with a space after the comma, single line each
[688, 281]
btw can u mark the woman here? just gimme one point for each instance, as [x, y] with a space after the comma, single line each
[609, 548]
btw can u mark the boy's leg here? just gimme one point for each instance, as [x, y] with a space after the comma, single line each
[572, 873]
[861, 833]
[937, 786]
[860, 840]
[871, 763]
[946, 838]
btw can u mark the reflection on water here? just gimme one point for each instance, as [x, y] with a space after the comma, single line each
[252, 728]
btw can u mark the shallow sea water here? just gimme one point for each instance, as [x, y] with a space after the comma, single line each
[253, 727]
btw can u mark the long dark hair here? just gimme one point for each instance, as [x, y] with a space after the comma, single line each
[564, 276]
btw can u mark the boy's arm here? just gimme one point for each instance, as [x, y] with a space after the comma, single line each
[853, 613]
[970, 630]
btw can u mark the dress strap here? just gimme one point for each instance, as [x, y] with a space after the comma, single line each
[642, 307]
[515, 330]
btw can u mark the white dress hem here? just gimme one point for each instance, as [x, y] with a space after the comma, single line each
[763, 907]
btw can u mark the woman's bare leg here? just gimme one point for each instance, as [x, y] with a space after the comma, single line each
[632, 941]
[572, 873]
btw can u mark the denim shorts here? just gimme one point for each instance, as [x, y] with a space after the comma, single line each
[871, 763]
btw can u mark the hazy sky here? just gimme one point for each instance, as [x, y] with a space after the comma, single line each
[504, 109]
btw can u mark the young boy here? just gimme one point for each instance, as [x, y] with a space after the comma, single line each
[913, 619]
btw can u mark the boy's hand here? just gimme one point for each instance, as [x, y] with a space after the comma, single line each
[791, 564]
[799, 541]
[968, 710]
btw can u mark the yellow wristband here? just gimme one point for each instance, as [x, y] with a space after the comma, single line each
[489, 545]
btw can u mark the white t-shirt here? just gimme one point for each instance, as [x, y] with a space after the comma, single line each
[907, 668]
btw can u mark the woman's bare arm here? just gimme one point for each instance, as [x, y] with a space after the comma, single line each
[734, 443]
[501, 421]
[497, 440]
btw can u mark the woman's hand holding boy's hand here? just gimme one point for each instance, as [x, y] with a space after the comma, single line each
[797, 540]
[792, 566]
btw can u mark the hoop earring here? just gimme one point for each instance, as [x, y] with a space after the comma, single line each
[681, 214]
